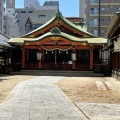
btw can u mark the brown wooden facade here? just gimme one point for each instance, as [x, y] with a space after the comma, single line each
[113, 35]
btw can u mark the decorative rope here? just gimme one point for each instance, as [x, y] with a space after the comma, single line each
[56, 49]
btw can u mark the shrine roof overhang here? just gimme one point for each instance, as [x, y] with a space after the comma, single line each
[56, 20]
[4, 40]
[113, 25]
[59, 36]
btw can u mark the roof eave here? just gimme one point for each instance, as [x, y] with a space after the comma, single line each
[112, 24]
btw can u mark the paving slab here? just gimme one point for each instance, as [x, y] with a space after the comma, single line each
[39, 99]
[97, 111]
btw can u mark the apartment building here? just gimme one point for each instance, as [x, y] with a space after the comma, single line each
[98, 14]
[10, 3]
[39, 17]
[16, 18]
[10, 21]
[1, 14]
[31, 3]
[51, 3]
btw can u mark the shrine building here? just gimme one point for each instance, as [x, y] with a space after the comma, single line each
[58, 45]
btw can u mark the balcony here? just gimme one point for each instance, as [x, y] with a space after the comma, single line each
[94, 4]
[104, 23]
[110, 1]
[95, 14]
[108, 12]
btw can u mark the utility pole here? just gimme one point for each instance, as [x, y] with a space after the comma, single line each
[99, 20]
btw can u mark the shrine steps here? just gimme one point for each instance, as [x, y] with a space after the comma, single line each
[59, 73]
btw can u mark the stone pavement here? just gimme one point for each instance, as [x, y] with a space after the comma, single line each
[39, 99]
[97, 111]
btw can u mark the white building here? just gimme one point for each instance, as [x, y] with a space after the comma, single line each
[39, 17]
[10, 26]
[16, 19]
[31, 3]
[1, 14]
[10, 22]
[10, 3]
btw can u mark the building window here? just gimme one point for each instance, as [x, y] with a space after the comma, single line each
[94, 22]
[103, 31]
[116, 8]
[41, 16]
[17, 21]
[94, 1]
[30, 11]
[4, 26]
[36, 25]
[105, 8]
[23, 11]
[95, 32]
[17, 11]
[94, 11]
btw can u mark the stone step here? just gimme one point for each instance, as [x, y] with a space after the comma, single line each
[59, 73]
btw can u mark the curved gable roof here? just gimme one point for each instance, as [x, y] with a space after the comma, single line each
[55, 32]
[58, 18]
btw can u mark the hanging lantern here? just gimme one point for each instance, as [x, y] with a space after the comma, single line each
[9, 60]
[46, 52]
[1, 48]
[52, 51]
[117, 46]
[73, 56]
[59, 51]
[66, 52]
[39, 55]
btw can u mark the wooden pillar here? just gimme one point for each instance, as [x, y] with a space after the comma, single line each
[73, 65]
[39, 64]
[43, 55]
[91, 59]
[23, 58]
[74, 59]
[27, 55]
[39, 58]
[113, 60]
[119, 61]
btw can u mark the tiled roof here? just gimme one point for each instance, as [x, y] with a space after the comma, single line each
[60, 34]
[4, 39]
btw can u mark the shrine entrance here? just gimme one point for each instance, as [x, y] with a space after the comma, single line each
[58, 59]
[83, 60]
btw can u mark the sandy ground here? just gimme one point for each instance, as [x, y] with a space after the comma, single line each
[78, 89]
[84, 89]
[8, 82]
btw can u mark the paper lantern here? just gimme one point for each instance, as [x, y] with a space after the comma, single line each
[73, 56]
[39, 55]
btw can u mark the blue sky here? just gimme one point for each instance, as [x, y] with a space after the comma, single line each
[69, 8]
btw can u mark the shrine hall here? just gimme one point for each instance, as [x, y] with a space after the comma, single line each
[58, 45]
